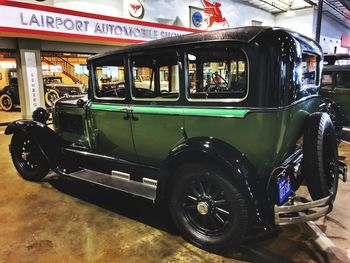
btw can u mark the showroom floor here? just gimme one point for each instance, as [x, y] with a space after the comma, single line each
[69, 221]
[8, 116]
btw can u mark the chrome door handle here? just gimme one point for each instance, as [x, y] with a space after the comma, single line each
[127, 111]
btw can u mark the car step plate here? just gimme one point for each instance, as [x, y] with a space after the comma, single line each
[120, 183]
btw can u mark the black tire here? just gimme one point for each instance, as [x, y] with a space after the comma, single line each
[28, 158]
[6, 102]
[320, 164]
[51, 95]
[209, 211]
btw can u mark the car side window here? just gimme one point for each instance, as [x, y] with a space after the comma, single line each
[110, 80]
[155, 77]
[217, 74]
[327, 79]
[343, 79]
[309, 70]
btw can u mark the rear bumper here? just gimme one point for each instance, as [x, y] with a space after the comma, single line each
[298, 210]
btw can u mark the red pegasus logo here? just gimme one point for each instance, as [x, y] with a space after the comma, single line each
[135, 7]
[214, 13]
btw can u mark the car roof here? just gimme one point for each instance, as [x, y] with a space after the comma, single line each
[336, 68]
[239, 34]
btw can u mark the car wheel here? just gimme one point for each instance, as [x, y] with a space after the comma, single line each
[28, 158]
[207, 208]
[50, 96]
[6, 102]
[320, 164]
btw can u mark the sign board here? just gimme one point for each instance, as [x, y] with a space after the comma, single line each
[345, 41]
[44, 20]
[197, 17]
[32, 80]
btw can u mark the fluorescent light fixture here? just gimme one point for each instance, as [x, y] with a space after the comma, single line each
[290, 13]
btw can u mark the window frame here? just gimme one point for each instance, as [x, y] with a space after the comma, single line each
[215, 100]
[95, 85]
[318, 71]
[155, 53]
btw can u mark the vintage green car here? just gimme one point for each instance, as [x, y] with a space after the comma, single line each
[224, 128]
[336, 87]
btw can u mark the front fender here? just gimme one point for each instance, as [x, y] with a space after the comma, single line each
[235, 164]
[49, 142]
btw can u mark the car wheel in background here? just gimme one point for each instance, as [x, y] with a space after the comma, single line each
[6, 102]
[50, 96]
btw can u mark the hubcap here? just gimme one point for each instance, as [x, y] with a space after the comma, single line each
[206, 208]
[203, 208]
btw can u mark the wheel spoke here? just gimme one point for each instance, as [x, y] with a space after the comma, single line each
[201, 188]
[208, 188]
[222, 211]
[219, 218]
[194, 190]
[220, 202]
[192, 198]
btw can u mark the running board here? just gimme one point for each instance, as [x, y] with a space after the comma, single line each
[119, 181]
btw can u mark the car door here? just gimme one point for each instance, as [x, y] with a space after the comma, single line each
[157, 119]
[110, 122]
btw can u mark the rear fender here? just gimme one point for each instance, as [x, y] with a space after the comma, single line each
[49, 142]
[237, 168]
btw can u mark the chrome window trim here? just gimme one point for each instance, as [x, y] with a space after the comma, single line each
[105, 98]
[148, 99]
[218, 100]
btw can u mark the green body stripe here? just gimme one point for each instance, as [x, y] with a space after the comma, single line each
[240, 113]
[109, 107]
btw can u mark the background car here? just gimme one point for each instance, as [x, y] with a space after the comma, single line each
[336, 86]
[53, 87]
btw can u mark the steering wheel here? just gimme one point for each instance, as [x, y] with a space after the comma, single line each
[118, 89]
[215, 80]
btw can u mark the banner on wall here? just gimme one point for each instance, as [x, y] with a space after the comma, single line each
[43, 20]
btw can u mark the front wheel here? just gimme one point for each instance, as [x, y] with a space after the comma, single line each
[207, 208]
[28, 158]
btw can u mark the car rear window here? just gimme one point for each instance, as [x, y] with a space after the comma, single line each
[309, 67]
[217, 74]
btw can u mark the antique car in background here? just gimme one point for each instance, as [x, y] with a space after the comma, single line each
[226, 142]
[53, 89]
[336, 84]
[336, 59]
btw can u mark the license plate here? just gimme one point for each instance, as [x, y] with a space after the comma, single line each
[284, 188]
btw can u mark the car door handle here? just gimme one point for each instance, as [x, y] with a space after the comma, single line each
[133, 117]
[127, 111]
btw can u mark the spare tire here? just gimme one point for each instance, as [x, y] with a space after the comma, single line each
[320, 162]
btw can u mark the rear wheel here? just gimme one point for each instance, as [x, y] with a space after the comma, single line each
[6, 102]
[321, 164]
[207, 208]
[28, 158]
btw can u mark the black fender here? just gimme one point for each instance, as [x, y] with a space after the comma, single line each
[49, 142]
[235, 164]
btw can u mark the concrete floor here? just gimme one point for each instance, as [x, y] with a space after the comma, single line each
[9, 116]
[68, 221]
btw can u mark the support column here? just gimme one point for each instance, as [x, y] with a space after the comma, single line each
[30, 81]
[319, 20]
